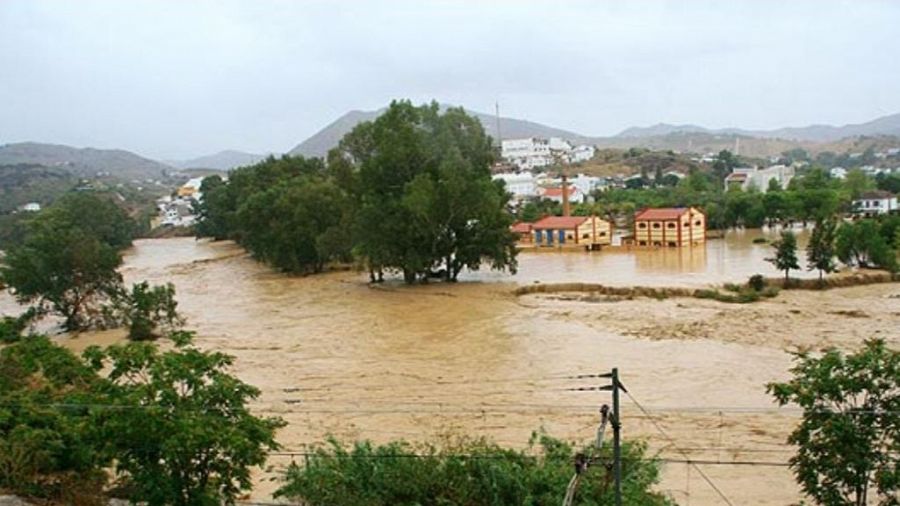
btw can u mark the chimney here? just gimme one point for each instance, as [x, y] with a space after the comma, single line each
[565, 195]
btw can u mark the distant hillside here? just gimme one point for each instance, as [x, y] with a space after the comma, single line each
[686, 138]
[24, 183]
[223, 160]
[85, 162]
[886, 125]
[328, 137]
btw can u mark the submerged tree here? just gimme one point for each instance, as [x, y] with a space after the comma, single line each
[67, 260]
[820, 251]
[848, 442]
[785, 258]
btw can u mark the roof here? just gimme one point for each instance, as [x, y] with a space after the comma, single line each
[736, 176]
[875, 195]
[556, 222]
[663, 213]
[521, 227]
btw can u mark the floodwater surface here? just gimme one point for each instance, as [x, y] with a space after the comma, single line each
[335, 356]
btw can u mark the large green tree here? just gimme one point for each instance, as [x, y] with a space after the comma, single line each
[66, 263]
[848, 440]
[182, 434]
[427, 201]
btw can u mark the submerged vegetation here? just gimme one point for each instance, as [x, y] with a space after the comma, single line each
[410, 192]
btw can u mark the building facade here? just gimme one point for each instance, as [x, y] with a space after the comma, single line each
[671, 227]
[753, 177]
[571, 231]
[875, 203]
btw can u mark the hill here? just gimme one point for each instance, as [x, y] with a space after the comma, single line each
[328, 137]
[83, 162]
[24, 183]
[223, 161]
[885, 125]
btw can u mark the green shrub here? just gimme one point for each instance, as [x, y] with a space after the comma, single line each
[760, 240]
[472, 472]
[757, 282]
[148, 311]
[733, 287]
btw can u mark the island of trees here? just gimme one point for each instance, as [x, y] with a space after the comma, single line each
[410, 192]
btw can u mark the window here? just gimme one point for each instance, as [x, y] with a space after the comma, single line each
[657, 243]
[656, 225]
[586, 236]
[672, 244]
[642, 225]
[670, 225]
[698, 223]
[602, 234]
[687, 223]
[642, 243]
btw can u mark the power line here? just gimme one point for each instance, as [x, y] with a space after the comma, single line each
[686, 456]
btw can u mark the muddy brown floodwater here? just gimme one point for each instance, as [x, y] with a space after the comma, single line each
[335, 356]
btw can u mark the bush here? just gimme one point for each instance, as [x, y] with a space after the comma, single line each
[472, 472]
[757, 282]
[148, 311]
[11, 327]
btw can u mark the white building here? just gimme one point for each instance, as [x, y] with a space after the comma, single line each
[753, 177]
[31, 207]
[838, 173]
[587, 184]
[533, 152]
[522, 185]
[555, 194]
[875, 202]
[582, 153]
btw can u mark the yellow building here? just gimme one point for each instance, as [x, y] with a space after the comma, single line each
[670, 227]
[571, 231]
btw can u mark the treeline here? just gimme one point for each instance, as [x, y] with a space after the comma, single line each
[409, 192]
[808, 198]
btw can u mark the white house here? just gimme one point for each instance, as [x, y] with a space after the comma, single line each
[582, 153]
[555, 194]
[838, 173]
[522, 185]
[587, 184]
[31, 207]
[533, 152]
[875, 202]
[753, 177]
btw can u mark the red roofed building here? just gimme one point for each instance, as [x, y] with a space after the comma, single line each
[523, 230]
[670, 227]
[564, 231]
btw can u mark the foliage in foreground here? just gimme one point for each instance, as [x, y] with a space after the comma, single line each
[174, 426]
[473, 472]
[848, 442]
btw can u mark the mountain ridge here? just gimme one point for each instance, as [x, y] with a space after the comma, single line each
[83, 162]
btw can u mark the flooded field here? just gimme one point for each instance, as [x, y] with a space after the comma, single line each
[335, 356]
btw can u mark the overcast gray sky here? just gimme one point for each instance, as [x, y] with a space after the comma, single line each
[177, 79]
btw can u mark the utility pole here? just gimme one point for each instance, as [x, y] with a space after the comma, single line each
[583, 461]
[617, 436]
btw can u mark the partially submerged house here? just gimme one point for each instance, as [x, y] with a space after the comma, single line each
[523, 231]
[589, 232]
[669, 227]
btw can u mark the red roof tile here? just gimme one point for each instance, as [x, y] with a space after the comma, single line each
[521, 227]
[557, 222]
[663, 213]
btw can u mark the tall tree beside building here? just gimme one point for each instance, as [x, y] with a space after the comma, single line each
[785, 258]
[820, 250]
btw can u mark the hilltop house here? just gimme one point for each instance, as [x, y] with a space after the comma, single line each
[534, 152]
[563, 231]
[670, 227]
[876, 202]
[521, 185]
